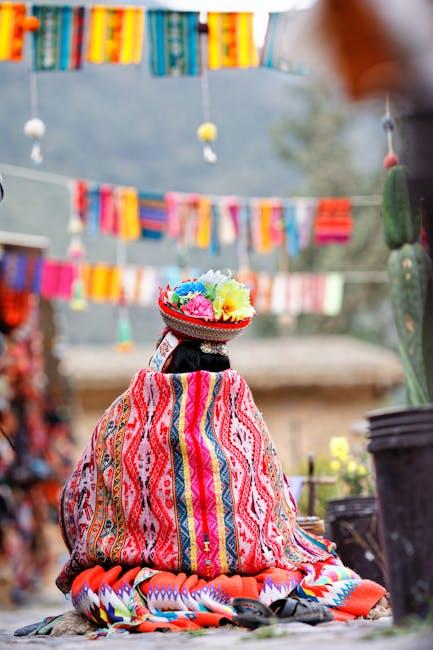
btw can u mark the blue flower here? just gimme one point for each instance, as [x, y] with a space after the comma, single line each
[190, 287]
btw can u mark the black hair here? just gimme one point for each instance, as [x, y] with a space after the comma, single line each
[188, 357]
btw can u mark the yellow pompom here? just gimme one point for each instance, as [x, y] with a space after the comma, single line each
[207, 132]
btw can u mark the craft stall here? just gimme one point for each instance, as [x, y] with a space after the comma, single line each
[35, 437]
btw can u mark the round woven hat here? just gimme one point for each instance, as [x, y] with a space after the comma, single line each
[187, 327]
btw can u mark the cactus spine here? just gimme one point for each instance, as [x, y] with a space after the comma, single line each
[411, 287]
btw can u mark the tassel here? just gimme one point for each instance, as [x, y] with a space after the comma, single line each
[124, 332]
[78, 300]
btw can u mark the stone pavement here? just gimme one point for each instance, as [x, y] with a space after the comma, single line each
[356, 635]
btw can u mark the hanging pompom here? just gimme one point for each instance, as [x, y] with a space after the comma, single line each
[207, 132]
[75, 225]
[78, 300]
[390, 160]
[35, 129]
[124, 333]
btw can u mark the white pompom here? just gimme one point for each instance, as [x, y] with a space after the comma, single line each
[34, 128]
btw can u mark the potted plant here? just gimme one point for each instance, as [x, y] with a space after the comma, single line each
[401, 439]
[352, 519]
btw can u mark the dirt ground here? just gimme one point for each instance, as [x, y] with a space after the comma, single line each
[374, 635]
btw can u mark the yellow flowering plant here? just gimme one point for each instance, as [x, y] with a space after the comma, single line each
[350, 468]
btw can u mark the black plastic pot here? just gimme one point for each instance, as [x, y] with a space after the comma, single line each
[401, 442]
[352, 523]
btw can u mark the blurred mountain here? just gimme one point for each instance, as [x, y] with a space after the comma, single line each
[119, 125]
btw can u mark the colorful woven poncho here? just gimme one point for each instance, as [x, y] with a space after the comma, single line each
[179, 487]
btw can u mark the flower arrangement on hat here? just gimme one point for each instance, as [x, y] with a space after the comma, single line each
[214, 296]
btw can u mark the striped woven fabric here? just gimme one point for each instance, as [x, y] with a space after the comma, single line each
[12, 16]
[58, 44]
[231, 41]
[181, 475]
[115, 35]
[145, 600]
[174, 42]
[180, 496]
[152, 215]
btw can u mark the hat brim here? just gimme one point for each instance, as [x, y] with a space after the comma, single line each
[197, 329]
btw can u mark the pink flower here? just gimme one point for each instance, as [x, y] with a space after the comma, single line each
[199, 307]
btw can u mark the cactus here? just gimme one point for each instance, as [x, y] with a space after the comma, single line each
[411, 286]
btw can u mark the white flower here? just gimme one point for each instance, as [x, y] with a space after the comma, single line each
[214, 277]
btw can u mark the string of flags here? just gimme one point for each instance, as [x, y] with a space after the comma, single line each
[129, 285]
[107, 34]
[179, 44]
[211, 222]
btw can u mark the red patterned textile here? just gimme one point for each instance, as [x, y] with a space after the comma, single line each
[145, 600]
[181, 475]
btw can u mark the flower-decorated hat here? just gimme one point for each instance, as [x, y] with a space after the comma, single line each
[213, 308]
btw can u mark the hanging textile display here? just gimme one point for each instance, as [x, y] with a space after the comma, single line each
[125, 285]
[14, 23]
[231, 41]
[115, 35]
[174, 42]
[334, 223]
[35, 447]
[276, 52]
[152, 215]
[58, 44]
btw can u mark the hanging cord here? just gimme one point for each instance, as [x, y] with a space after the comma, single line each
[207, 131]
[34, 128]
[33, 93]
[391, 159]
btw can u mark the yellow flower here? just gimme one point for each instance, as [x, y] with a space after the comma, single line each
[232, 302]
[362, 471]
[335, 465]
[339, 447]
[352, 467]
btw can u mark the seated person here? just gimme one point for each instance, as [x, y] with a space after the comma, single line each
[179, 503]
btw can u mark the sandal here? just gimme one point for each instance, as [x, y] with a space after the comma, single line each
[40, 628]
[252, 613]
[301, 611]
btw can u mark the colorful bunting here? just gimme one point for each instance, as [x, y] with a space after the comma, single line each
[294, 294]
[115, 35]
[152, 214]
[231, 41]
[14, 22]
[207, 223]
[174, 42]
[58, 44]
[334, 223]
[276, 52]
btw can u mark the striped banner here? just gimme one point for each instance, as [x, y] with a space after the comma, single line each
[231, 41]
[12, 17]
[174, 43]
[152, 215]
[58, 45]
[115, 35]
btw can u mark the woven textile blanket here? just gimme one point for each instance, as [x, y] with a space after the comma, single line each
[145, 600]
[181, 475]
